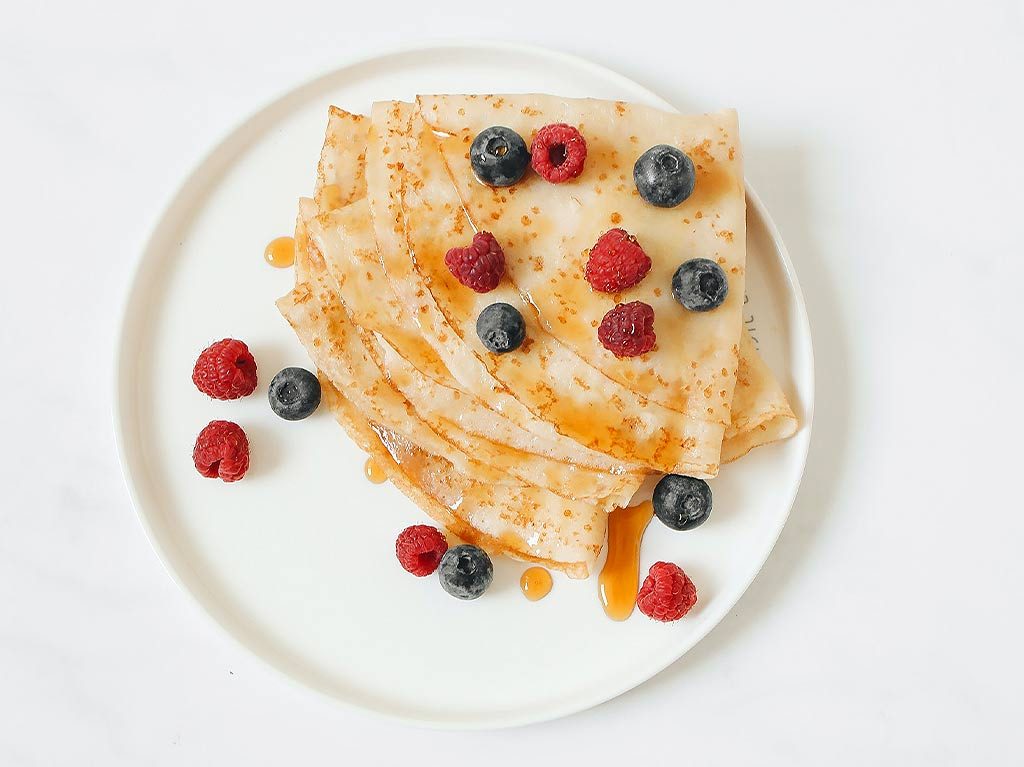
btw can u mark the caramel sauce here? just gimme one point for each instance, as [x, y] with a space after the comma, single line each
[535, 583]
[280, 253]
[374, 472]
[619, 581]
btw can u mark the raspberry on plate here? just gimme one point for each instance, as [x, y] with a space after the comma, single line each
[222, 450]
[627, 330]
[558, 152]
[225, 370]
[616, 262]
[667, 593]
[478, 266]
[419, 549]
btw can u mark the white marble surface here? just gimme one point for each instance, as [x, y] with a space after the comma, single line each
[886, 141]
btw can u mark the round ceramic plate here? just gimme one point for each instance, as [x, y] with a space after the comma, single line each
[297, 561]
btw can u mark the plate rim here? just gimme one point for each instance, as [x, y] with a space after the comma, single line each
[147, 253]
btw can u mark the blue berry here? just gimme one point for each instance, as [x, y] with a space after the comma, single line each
[465, 571]
[501, 328]
[682, 503]
[499, 156]
[664, 176]
[294, 394]
[700, 285]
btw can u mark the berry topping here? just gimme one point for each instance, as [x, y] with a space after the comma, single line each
[294, 394]
[501, 328]
[700, 285]
[627, 330]
[419, 549]
[499, 156]
[222, 450]
[667, 593]
[465, 572]
[682, 503]
[558, 152]
[225, 370]
[616, 262]
[664, 176]
[478, 266]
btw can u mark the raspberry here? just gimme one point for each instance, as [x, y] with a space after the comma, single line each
[558, 152]
[616, 262]
[627, 330]
[478, 266]
[419, 549]
[225, 370]
[222, 450]
[667, 593]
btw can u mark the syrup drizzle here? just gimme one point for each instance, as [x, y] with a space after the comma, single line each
[620, 577]
[535, 583]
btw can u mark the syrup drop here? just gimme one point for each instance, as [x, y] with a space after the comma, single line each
[535, 583]
[280, 253]
[374, 472]
[619, 581]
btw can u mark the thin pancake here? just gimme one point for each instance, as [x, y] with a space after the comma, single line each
[546, 231]
[543, 375]
[466, 507]
[344, 239]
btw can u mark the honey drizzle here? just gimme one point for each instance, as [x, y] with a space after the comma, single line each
[535, 583]
[280, 252]
[620, 577]
[374, 472]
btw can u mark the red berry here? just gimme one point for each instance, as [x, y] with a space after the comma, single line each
[420, 548]
[222, 450]
[667, 593]
[478, 266]
[627, 330]
[616, 262]
[558, 152]
[225, 370]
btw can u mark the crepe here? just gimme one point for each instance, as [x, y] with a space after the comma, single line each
[468, 508]
[463, 447]
[472, 500]
[546, 231]
[544, 375]
[344, 239]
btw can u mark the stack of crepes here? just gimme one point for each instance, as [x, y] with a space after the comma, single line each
[524, 453]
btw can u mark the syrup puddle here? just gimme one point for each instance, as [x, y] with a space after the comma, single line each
[619, 581]
[280, 253]
[535, 583]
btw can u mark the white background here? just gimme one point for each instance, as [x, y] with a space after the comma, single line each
[886, 141]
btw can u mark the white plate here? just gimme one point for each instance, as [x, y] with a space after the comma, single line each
[297, 561]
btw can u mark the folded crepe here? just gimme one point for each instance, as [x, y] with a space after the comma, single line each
[485, 448]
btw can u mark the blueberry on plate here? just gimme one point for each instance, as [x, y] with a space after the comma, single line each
[682, 503]
[501, 328]
[499, 156]
[700, 285]
[465, 571]
[294, 394]
[664, 176]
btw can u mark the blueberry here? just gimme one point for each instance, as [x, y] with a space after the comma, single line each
[682, 503]
[664, 176]
[501, 328]
[294, 394]
[465, 571]
[499, 156]
[700, 285]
